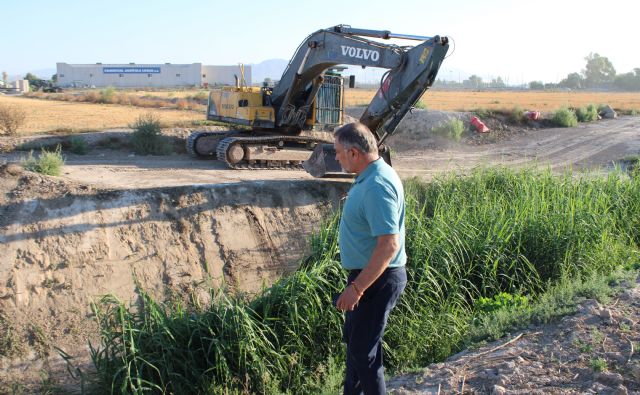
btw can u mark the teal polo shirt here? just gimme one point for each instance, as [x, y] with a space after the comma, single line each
[374, 207]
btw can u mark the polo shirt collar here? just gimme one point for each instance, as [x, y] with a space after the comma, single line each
[371, 167]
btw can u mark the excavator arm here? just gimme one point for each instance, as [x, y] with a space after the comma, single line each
[411, 71]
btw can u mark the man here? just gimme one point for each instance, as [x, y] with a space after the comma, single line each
[371, 242]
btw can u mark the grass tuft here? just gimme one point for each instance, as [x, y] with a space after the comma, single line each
[147, 138]
[78, 145]
[48, 162]
[452, 129]
[587, 114]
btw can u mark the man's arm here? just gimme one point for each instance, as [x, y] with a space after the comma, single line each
[387, 247]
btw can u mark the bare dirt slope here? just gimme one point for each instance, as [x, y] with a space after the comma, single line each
[64, 244]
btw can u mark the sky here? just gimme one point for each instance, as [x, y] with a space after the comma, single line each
[542, 40]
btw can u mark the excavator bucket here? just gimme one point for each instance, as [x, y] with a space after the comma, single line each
[322, 161]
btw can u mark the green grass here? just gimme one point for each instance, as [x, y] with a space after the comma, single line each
[451, 129]
[48, 162]
[492, 233]
[598, 364]
[565, 118]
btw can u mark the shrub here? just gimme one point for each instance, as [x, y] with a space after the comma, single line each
[11, 118]
[420, 105]
[107, 95]
[587, 114]
[483, 112]
[517, 115]
[182, 104]
[78, 145]
[565, 117]
[49, 162]
[452, 129]
[147, 138]
[502, 300]
[202, 96]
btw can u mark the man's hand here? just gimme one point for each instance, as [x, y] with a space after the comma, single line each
[348, 299]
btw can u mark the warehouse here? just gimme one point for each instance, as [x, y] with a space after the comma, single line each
[133, 75]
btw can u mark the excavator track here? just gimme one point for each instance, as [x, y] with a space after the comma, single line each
[233, 151]
[194, 147]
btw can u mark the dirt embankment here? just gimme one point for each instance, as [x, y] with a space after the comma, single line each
[64, 244]
[594, 351]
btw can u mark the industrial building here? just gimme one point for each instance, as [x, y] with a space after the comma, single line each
[133, 75]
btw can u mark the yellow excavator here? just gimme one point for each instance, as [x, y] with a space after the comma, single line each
[285, 126]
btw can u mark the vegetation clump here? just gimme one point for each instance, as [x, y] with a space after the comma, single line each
[517, 115]
[451, 129]
[587, 114]
[78, 145]
[11, 119]
[487, 235]
[147, 138]
[48, 162]
[565, 117]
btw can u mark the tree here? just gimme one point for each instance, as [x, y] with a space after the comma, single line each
[599, 70]
[474, 81]
[498, 82]
[54, 78]
[31, 77]
[573, 81]
[536, 85]
[628, 81]
[5, 77]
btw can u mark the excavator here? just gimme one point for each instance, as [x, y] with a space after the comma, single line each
[285, 126]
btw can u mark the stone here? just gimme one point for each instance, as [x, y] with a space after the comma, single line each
[609, 378]
[502, 380]
[608, 112]
[589, 306]
[620, 390]
[498, 390]
[616, 357]
[606, 314]
[635, 371]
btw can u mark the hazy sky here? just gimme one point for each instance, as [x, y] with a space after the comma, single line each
[519, 41]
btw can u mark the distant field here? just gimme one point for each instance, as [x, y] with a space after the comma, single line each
[50, 115]
[539, 101]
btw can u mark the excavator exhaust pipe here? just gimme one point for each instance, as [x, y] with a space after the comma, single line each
[322, 161]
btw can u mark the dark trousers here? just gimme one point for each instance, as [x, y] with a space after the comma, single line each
[363, 329]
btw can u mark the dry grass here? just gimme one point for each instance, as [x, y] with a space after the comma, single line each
[45, 116]
[539, 101]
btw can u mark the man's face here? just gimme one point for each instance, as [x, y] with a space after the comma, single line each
[345, 157]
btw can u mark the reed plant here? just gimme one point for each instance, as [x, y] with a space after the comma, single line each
[484, 235]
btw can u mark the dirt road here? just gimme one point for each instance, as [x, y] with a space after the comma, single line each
[586, 146]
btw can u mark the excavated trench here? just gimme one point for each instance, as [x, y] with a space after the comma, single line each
[63, 245]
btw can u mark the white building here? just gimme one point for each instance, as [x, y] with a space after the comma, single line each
[148, 75]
